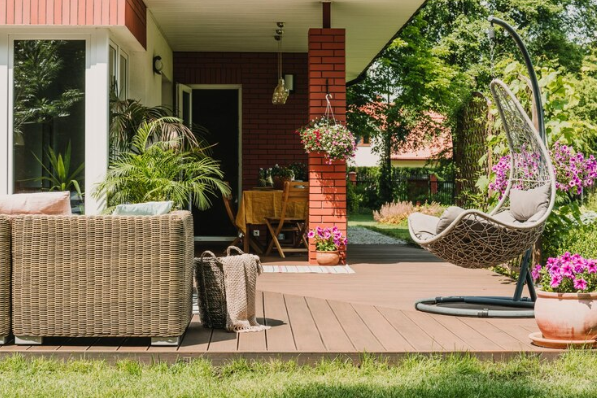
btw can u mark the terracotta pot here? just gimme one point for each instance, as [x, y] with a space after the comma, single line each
[328, 258]
[567, 316]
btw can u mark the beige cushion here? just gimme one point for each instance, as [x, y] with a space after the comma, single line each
[144, 209]
[50, 203]
[448, 216]
[423, 226]
[526, 204]
[506, 217]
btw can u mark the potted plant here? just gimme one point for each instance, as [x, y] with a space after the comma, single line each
[327, 136]
[566, 307]
[300, 171]
[280, 175]
[327, 243]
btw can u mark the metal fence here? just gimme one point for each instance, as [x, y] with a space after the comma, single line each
[413, 186]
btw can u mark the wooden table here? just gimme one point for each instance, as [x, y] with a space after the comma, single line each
[255, 205]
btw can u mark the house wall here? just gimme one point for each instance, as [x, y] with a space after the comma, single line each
[129, 13]
[267, 130]
[145, 85]
[364, 157]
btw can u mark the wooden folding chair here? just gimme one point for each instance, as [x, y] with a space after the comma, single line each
[294, 192]
[240, 235]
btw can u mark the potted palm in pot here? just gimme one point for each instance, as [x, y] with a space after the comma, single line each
[328, 242]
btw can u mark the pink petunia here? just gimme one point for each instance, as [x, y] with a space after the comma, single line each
[580, 284]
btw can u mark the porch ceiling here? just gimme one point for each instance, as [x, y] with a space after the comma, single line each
[249, 25]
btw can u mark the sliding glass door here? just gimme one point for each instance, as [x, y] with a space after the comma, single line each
[48, 115]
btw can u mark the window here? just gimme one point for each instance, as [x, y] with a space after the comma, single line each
[118, 72]
[48, 115]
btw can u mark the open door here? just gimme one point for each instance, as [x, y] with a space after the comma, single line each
[184, 104]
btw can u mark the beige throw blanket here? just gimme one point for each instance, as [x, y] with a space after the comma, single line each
[240, 280]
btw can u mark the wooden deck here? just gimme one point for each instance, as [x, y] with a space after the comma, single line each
[314, 316]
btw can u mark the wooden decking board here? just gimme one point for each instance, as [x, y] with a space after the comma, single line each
[223, 341]
[254, 341]
[107, 344]
[516, 331]
[495, 334]
[332, 333]
[416, 337]
[440, 334]
[472, 337]
[385, 333]
[196, 338]
[279, 338]
[316, 316]
[305, 332]
[361, 336]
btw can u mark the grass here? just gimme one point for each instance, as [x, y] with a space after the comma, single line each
[572, 375]
[365, 220]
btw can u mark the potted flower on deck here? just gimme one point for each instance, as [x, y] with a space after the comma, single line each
[566, 307]
[327, 243]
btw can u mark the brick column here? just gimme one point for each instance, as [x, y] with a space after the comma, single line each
[327, 70]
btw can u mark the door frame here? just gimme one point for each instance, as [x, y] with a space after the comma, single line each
[238, 189]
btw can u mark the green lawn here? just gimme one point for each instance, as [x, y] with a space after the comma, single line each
[366, 220]
[573, 375]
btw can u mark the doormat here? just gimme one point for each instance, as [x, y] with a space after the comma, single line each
[308, 269]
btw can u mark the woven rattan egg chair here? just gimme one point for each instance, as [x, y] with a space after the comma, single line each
[473, 239]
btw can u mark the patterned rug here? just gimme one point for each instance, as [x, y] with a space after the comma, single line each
[308, 269]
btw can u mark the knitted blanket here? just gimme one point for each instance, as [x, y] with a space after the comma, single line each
[240, 281]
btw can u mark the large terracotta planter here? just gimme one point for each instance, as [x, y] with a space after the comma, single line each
[567, 316]
[327, 258]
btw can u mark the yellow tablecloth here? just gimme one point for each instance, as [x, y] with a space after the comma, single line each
[256, 205]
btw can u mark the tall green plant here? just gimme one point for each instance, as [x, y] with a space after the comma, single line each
[59, 173]
[156, 169]
[127, 116]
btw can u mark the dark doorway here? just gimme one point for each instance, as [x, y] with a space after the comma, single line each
[217, 110]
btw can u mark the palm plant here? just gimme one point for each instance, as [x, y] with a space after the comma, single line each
[158, 168]
[127, 116]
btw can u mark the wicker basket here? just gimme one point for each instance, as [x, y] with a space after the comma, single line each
[102, 276]
[4, 276]
[209, 275]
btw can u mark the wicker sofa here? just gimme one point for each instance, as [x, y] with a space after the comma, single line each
[4, 278]
[102, 276]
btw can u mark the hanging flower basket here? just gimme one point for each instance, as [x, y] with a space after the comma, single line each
[327, 136]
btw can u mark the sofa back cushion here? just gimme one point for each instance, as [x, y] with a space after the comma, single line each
[144, 209]
[49, 203]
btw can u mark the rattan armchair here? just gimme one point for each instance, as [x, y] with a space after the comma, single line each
[4, 278]
[102, 276]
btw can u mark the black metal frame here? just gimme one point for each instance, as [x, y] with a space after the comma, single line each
[516, 306]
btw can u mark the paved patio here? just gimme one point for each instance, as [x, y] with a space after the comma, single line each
[316, 316]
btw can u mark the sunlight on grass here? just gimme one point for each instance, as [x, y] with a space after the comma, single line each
[573, 375]
[398, 231]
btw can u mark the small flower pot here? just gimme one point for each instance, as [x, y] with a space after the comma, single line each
[328, 258]
[567, 316]
[279, 182]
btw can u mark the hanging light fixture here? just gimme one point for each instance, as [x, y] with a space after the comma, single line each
[280, 92]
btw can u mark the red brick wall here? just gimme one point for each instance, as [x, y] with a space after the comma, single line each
[327, 196]
[268, 130]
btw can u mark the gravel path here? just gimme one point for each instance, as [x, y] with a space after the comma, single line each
[364, 236]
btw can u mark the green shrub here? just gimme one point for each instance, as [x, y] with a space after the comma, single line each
[581, 240]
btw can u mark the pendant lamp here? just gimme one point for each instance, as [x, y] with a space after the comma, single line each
[280, 92]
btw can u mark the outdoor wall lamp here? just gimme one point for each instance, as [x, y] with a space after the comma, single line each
[158, 65]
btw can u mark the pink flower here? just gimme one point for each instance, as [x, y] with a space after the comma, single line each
[536, 272]
[555, 281]
[580, 284]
